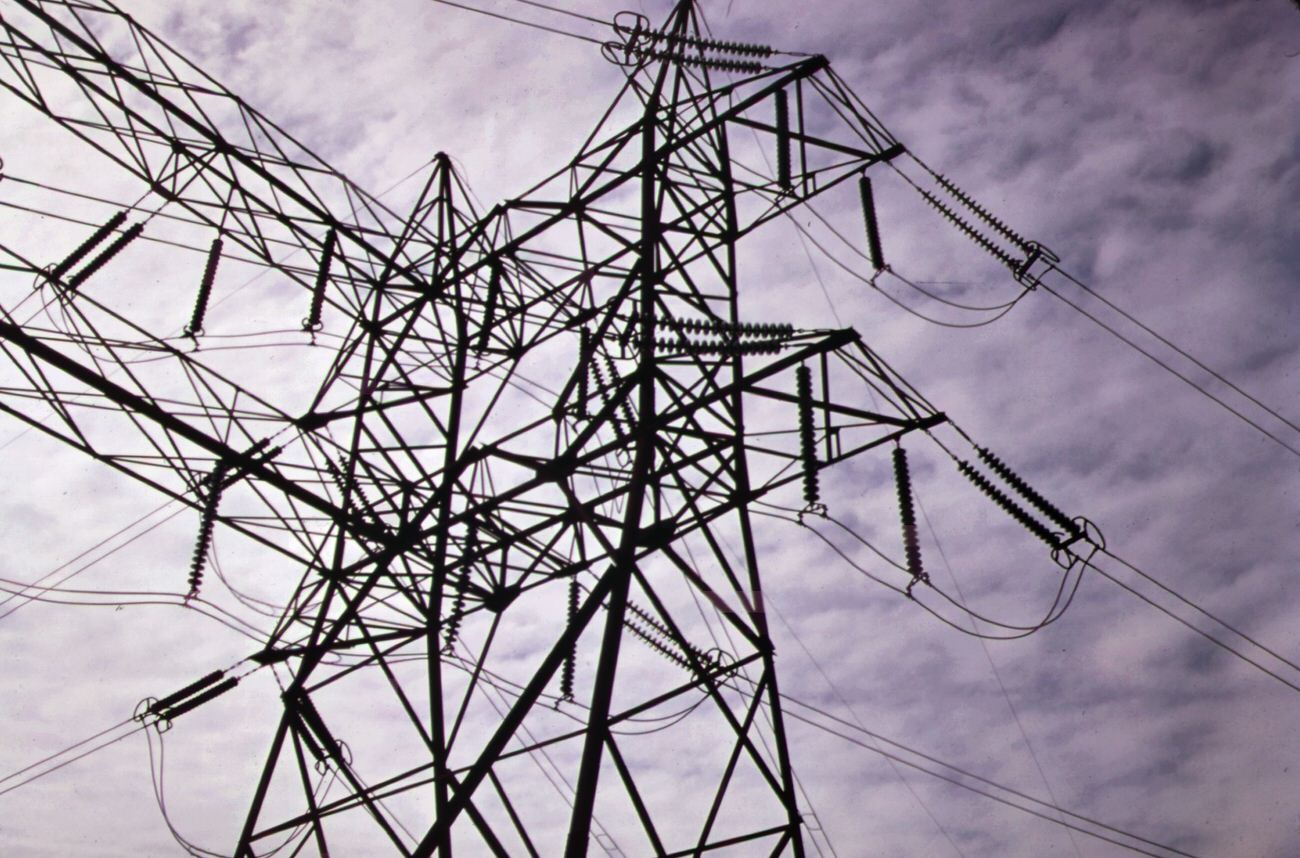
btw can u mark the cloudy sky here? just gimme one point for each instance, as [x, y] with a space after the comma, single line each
[1153, 146]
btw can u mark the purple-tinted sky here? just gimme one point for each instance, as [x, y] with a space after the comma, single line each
[1152, 145]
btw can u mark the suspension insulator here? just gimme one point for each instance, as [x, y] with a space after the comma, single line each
[195, 327]
[907, 514]
[783, 176]
[873, 228]
[193, 688]
[1027, 492]
[1013, 509]
[584, 357]
[88, 245]
[982, 213]
[452, 630]
[207, 521]
[623, 405]
[605, 396]
[114, 248]
[490, 305]
[199, 699]
[807, 441]
[570, 665]
[312, 321]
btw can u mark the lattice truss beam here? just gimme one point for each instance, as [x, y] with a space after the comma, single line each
[534, 447]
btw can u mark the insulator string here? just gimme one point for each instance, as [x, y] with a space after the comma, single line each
[195, 327]
[907, 516]
[807, 439]
[312, 322]
[869, 219]
[1013, 509]
[1028, 493]
[114, 248]
[207, 521]
[88, 245]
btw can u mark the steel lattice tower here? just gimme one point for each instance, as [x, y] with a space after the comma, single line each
[537, 448]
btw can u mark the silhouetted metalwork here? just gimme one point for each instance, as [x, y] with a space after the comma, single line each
[542, 432]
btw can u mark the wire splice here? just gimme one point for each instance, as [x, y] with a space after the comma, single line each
[312, 321]
[807, 439]
[584, 357]
[1026, 491]
[873, 229]
[195, 327]
[114, 248]
[1013, 509]
[783, 176]
[907, 515]
[88, 245]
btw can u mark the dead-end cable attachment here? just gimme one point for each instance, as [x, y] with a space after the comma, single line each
[200, 691]
[634, 31]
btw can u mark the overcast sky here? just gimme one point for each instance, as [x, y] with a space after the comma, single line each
[1153, 146]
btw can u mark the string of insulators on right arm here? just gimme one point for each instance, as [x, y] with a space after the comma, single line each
[1013, 509]
[88, 245]
[207, 521]
[195, 327]
[1028, 493]
[982, 213]
[490, 305]
[469, 556]
[131, 233]
[971, 232]
[193, 695]
[807, 439]
[907, 515]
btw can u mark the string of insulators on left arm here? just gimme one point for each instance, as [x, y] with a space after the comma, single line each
[807, 439]
[207, 521]
[193, 695]
[907, 515]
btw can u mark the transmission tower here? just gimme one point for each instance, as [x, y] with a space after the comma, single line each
[521, 494]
